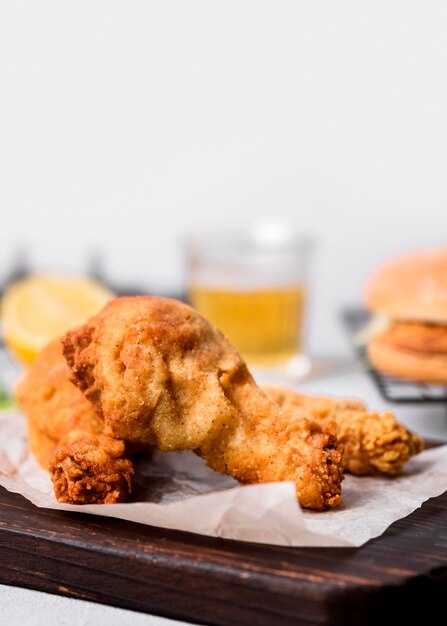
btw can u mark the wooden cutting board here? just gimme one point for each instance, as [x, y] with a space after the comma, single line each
[398, 578]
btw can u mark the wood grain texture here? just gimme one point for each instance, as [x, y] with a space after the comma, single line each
[397, 577]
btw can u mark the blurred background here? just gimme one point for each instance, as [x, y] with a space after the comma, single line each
[125, 126]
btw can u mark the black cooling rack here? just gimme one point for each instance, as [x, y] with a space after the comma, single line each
[391, 389]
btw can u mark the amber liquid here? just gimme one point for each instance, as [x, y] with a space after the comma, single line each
[265, 325]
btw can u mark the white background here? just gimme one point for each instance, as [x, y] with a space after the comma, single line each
[125, 124]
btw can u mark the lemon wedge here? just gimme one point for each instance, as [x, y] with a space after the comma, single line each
[40, 308]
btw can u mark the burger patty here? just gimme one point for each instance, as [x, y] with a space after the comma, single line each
[417, 336]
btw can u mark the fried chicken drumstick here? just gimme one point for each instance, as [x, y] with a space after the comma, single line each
[158, 374]
[66, 435]
[373, 443]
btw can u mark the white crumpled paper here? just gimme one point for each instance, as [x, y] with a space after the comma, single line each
[176, 490]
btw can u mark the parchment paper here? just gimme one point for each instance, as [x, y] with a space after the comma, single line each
[176, 490]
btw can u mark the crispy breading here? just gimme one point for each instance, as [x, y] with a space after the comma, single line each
[53, 405]
[91, 469]
[160, 375]
[373, 443]
[64, 429]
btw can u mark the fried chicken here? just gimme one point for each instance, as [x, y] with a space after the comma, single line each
[66, 434]
[91, 469]
[373, 443]
[158, 374]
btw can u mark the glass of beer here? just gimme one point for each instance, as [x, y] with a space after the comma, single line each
[253, 286]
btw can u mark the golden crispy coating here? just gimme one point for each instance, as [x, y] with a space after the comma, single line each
[372, 443]
[91, 469]
[52, 404]
[161, 375]
[64, 428]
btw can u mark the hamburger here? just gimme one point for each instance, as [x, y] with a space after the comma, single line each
[408, 297]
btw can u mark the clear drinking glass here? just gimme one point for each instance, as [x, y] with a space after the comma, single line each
[253, 286]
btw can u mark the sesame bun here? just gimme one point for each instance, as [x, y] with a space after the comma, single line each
[412, 287]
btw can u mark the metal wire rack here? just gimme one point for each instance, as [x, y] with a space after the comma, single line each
[391, 389]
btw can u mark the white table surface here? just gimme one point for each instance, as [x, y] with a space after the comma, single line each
[330, 377]
[26, 607]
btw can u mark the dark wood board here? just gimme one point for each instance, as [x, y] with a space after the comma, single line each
[396, 577]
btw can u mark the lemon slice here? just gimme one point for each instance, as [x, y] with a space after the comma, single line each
[40, 308]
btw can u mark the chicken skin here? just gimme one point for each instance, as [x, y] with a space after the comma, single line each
[66, 435]
[373, 443]
[158, 374]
